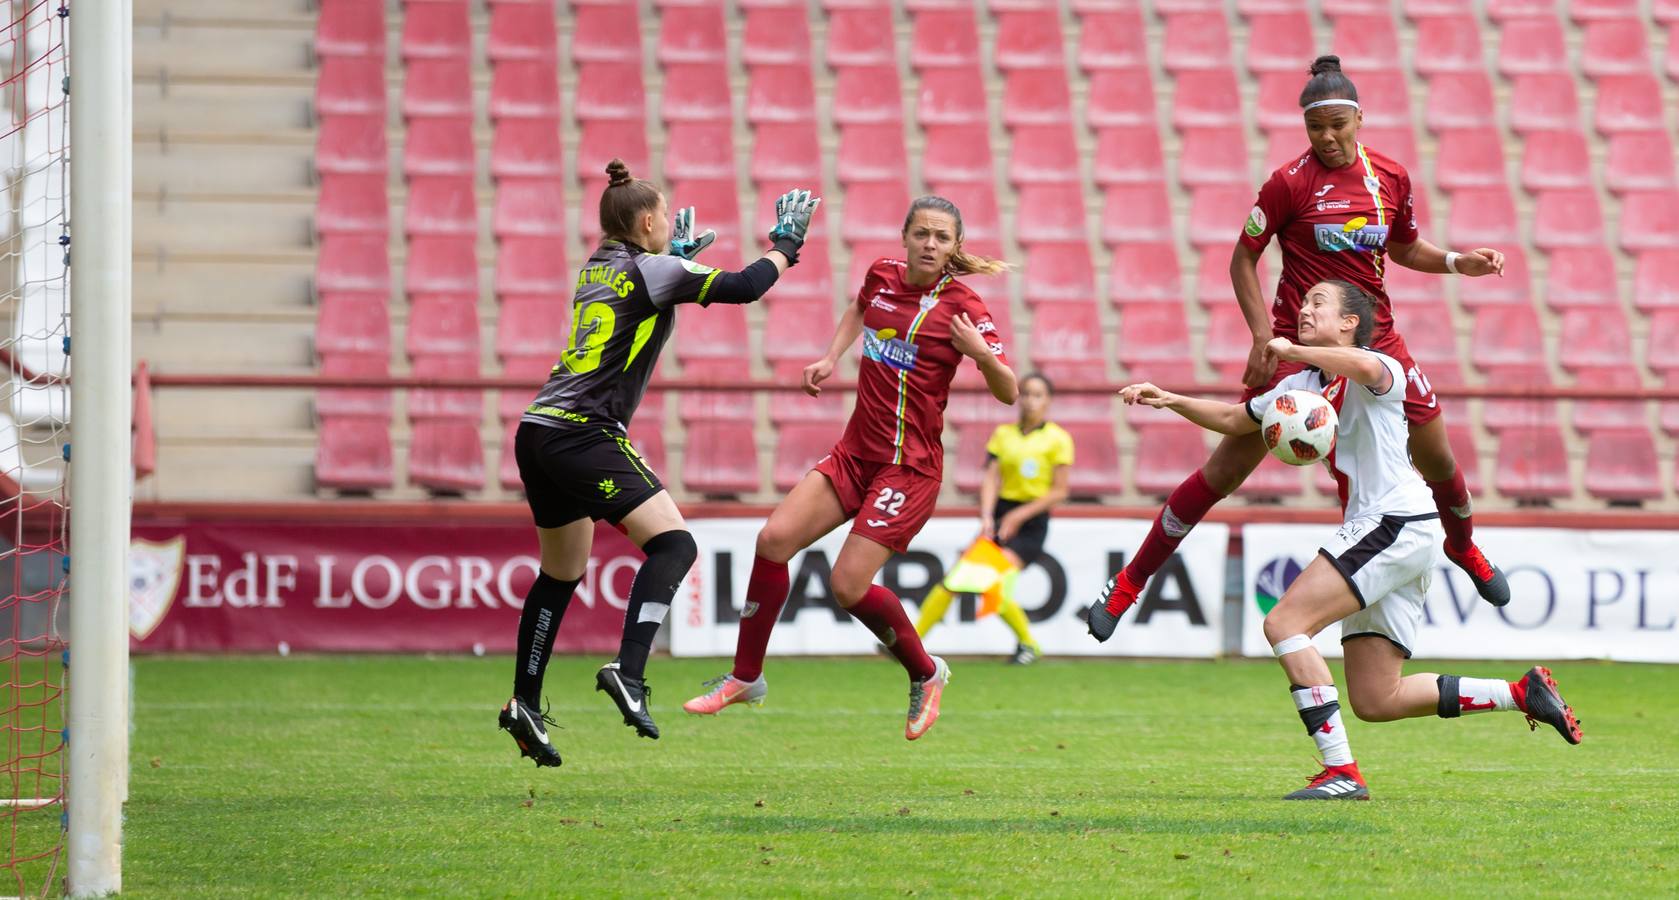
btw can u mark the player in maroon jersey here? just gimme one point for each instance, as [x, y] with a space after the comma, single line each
[917, 323]
[1341, 211]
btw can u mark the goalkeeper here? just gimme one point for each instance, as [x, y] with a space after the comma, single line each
[1026, 469]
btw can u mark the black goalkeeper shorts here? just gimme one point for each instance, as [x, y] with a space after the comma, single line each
[571, 472]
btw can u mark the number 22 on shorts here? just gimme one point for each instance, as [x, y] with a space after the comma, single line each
[889, 501]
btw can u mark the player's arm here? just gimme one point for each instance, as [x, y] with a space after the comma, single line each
[1355, 363]
[965, 336]
[845, 334]
[1425, 257]
[1213, 415]
[989, 487]
[677, 279]
[1270, 213]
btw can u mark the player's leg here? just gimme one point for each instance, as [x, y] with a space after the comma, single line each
[1431, 453]
[882, 612]
[1230, 464]
[1026, 650]
[1380, 692]
[1320, 595]
[564, 557]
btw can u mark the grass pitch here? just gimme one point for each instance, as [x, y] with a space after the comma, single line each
[387, 776]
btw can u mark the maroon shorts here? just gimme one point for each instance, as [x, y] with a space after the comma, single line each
[888, 503]
[1421, 406]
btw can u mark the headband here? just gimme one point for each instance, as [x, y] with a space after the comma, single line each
[1333, 102]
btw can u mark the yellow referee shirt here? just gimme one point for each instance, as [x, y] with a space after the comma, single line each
[1027, 461]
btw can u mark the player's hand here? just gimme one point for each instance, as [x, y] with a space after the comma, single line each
[793, 211]
[965, 337]
[1010, 526]
[1480, 261]
[1261, 366]
[816, 373]
[1279, 348]
[987, 528]
[1145, 394]
[683, 241]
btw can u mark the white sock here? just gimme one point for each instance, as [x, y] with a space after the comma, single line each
[1483, 695]
[1320, 710]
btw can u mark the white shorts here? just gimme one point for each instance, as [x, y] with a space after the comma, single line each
[1389, 562]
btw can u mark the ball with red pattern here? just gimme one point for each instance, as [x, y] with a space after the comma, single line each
[1299, 428]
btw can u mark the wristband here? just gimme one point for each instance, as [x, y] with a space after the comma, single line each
[1451, 262]
[789, 248]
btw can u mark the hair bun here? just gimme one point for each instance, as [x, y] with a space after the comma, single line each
[1326, 64]
[618, 173]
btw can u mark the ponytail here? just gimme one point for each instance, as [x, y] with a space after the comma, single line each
[961, 262]
[624, 201]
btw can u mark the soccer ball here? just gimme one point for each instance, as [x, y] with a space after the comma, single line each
[1299, 428]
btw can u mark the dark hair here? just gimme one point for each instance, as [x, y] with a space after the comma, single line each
[1049, 386]
[961, 262]
[1327, 82]
[625, 199]
[1355, 302]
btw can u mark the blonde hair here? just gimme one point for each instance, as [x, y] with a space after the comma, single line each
[961, 262]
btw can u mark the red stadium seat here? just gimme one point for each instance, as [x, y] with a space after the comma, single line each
[353, 263]
[1507, 336]
[1148, 214]
[1416, 10]
[1278, 42]
[600, 142]
[1533, 409]
[1129, 156]
[781, 94]
[610, 91]
[1050, 213]
[1120, 98]
[793, 332]
[872, 153]
[1668, 415]
[450, 404]
[1532, 46]
[1250, 8]
[874, 212]
[1028, 40]
[350, 86]
[1406, 286]
[1066, 343]
[1503, 11]
[609, 34]
[1371, 39]
[1629, 103]
[1212, 280]
[1469, 158]
[958, 153]
[437, 87]
[351, 28]
[1112, 40]
[524, 89]
[832, 408]
[1145, 273]
[531, 327]
[353, 325]
[440, 147]
[1662, 346]
[1167, 451]
[1595, 338]
[446, 457]
[1615, 47]
[863, 255]
[1283, 146]
[1557, 160]
[1544, 103]
[716, 461]
[1623, 467]
[1196, 40]
[360, 402]
[1095, 469]
[1533, 465]
[1460, 100]
[1588, 11]
[1273, 480]
[1647, 221]
[1665, 12]
[524, 148]
[970, 439]
[352, 145]
[1462, 440]
[354, 454]
[786, 153]
[1483, 217]
[1582, 277]
[697, 92]
[1277, 105]
[699, 150]
[1216, 215]
[1512, 288]
[692, 34]
[1044, 154]
[1036, 97]
[440, 325]
[799, 446]
[716, 406]
[778, 36]
[533, 371]
[532, 266]
[1059, 273]
[1430, 335]
[717, 202]
[1228, 341]
[861, 37]
[529, 207]
[1567, 219]
[523, 31]
[436, 31]
[353, 204]
[1670, 64]
[1448, 44]
[945, 38]
[1609, 415]
[868, 95]
[1213, 156]
[716, 332]
[441, 206]
[1385, 95]
[1153, 336]
[1640, 161]
[1204, 99]
[982, 222]
[1656, 286]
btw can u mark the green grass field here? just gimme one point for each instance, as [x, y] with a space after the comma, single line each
[387, 775]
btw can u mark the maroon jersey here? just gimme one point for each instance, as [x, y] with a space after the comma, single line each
[903, 381]
[1332, 224]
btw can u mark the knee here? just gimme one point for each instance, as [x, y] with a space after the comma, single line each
[675, 547]
[1279, 626]
[1371, 705]
[775, 545]
[848, 592]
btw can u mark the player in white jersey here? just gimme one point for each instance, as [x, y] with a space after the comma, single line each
[1374, 574]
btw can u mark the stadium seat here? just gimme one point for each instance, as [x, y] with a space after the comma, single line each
[1469, 158]
[1050, 213]
[1205, 98]
[1429, 334]
[1250, 8]
[523, 32]
[1028, 40]
[1096, 463]
[1503, 11]
[533, 371]
[1371, 39]
[1385, 96]
[353, 204]
[1662, 347]
[531, 327]
[716, 461]
[699, 150]
[1558, 160]
[352, 145]
[1216, 213]
[440, 325]
[1533, 465]
[1166, 451]
[1623, 467]
[970, 439]
[1148, 216]
[1533, 409]
[1594, 338]
[354, 454]
[532, 266]
[1120, 98]
[868, 95]
[1279, 42]
[1567, 219]
[1639, 161]
[717, 406]
[1668, 413]
[437, 87]
[350, 86]
[436, 31]
[697, 92]
[1417, 10]
[795, 332]
[353, 263]
[1448, 44]
[1036, 97]
[446, 458]
[1665, 12]
[1591, 416]
[1154, 335]
[945, 38]
[786, 153]
[1213, 156]
[446, 404]
[692, 34]
[958, 153]
[350, 324]
[1543, 103]
[1059, 273]
[1582, 277]
[1647, 221]
[524, 89]
[439, 147]
[1513, 288]
[1584, 12]
[1128, 156]
[1277, 104]
[1066, 343]
[861, 37]
[1460, 100]
[1212, 280]
[715, 332]
[874, 213]
[872, 153]
[1196, 40]
[1227, 341]
[1406, 286]
[1629, 103]
[599, 143]
[606, 34]
[778, 36]
[799, 446]
[1043, 154]
[366, 403]
[781, 94]
[717, 202]
[1507, 336]
[1656, 286]
[863, 255]
[441, 206]
[524, 148]
[1273, 480]
[1144, 273]
[529, 207]
[1533, 46]
[610, 91]
[441, 265]
[1283, 146]
[1614, 47]
[1483, 217]
[351, 28]
[1462, 440]
[1112, 40]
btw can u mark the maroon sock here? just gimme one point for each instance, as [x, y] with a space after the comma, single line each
[766, 594]
[1451, 497]
[882, 613]
[1183, 509]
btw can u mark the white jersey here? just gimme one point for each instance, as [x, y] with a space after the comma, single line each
[1371, 461]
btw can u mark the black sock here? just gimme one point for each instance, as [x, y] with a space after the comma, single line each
[669, 557]
[545, 606]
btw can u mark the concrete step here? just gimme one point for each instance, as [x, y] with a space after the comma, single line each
[187, 46]
[164, 223]
[164, 286]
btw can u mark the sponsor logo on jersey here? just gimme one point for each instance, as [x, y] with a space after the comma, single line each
[880, 304]
[884, 346]
[1334, 204]
[1357, 235]
[1256, 223]
[1371, 184]
[697, 268]
[986, 327]
[995, 348]
[929, 301]
[608, 488]
[1324, 190]
[1029, 467]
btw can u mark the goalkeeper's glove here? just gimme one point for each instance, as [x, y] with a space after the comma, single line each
[683, 241]
[792, 221]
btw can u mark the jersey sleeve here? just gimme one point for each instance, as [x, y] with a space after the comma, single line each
[1404, 230]
[669, 280]
[994, 446]
[975, 308]
[1062, 455]
[1396, 390]
[1271, 211]
[872, 281]
[1299, 381]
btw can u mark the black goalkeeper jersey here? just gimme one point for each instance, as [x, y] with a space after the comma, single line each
[622, 314]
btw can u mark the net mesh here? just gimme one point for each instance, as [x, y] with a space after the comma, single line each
[34, 359]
